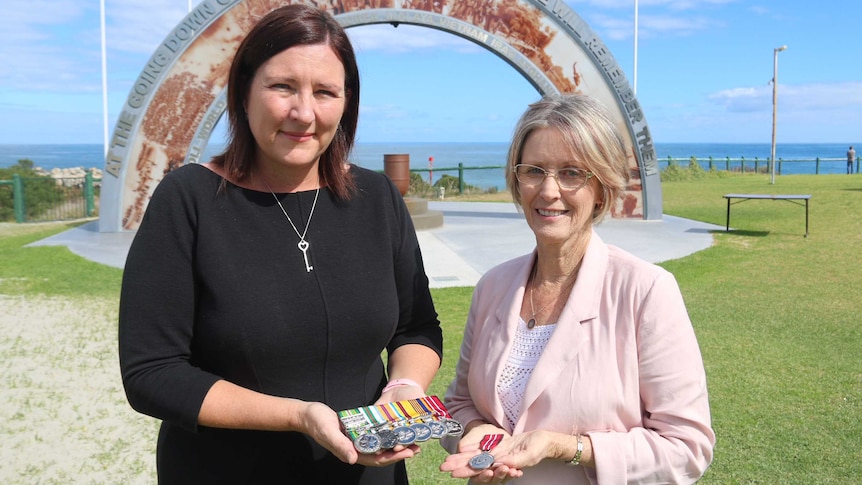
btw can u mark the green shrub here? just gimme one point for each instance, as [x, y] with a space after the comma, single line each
[419, 187]
[449, 183]
[41, 192]
[674, 173]
[7, 200]
[694, 168]
[694, 171]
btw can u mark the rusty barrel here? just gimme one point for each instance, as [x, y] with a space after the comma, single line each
[397, 168]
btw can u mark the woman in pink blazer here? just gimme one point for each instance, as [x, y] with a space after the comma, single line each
[579, 363]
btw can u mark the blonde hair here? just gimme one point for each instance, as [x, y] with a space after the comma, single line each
[590, 133]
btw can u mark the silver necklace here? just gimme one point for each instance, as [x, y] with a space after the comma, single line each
[532, 322]
[303, 245]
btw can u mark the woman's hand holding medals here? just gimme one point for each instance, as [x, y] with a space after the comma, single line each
[475, 459]
[391, 431]
[511, 454]
[321, 423]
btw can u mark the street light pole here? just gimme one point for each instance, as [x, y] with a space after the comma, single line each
[774, 106]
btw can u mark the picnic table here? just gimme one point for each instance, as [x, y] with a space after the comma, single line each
[793, 198]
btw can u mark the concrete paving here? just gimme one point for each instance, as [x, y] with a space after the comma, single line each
[474, 237]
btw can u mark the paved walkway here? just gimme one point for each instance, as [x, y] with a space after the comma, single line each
[475, 237]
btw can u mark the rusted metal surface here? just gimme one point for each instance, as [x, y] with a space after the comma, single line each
[189, 71]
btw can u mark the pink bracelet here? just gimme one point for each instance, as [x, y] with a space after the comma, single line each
[399, 383]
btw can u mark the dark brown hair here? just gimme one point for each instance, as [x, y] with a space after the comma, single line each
[281, 29]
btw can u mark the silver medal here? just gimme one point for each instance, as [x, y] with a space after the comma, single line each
[388, 439]
[367, 443]
[406, 436]
[482, 461]
[422, 430]
[454, 428]
[438, 429]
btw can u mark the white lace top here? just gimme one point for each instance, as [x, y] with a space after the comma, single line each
[526, 350]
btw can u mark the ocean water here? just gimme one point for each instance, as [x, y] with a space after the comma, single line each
[443, 158]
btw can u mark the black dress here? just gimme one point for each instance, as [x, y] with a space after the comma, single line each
[215, 287]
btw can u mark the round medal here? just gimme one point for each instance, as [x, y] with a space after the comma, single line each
[406, 436]
[485, 459]
[482, 461]
[388, 439]
[454, 428]
[422, 430]
[438, 429]
[367, 443]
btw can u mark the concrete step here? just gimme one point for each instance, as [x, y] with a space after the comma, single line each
[416, 205]
[428, 220]
[422, 217]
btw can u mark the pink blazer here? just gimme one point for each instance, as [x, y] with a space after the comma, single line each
[622, 366]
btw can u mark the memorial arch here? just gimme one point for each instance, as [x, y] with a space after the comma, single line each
[180, 95]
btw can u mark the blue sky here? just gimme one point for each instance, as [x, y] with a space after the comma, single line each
[703, 71]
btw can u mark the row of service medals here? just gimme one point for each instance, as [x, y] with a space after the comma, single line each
[384, 426]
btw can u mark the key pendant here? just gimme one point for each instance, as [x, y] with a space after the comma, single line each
[303, 246]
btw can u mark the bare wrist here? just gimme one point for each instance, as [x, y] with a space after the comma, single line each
[401, 383]
[299, 415]
[557, 447]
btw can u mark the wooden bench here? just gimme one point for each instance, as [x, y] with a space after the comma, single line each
[794, 198]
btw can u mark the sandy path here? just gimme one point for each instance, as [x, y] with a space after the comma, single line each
[63, 415]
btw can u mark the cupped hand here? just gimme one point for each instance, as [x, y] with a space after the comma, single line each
[388, 457]
[526, 449]
[473, 436]
[458, 464]
[321, 423]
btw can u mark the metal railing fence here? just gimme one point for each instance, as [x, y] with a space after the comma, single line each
[742, 164]
[43, 199]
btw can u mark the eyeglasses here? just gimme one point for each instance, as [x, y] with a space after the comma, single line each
[568, 178]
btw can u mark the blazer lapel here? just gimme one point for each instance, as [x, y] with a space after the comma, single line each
[500, 328]
[569, 336]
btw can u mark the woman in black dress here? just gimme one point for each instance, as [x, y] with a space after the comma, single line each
[263, 286]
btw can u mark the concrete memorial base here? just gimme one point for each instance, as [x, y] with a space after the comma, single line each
[422, 217]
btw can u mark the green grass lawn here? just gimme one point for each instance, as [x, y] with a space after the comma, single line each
[776, 314]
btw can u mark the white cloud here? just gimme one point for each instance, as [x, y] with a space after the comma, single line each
[821, 96]
[614, 28]
[676, 25]
[656, 18]
[23, 14]
[792, 98]
[406, 38]
[670, 4]
[138, 26]
[651, 26]
[743, 99]
[384, 111]
[40, 50]
[55, 45]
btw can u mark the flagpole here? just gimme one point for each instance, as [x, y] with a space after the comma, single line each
[635, 81]
[104, 78]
